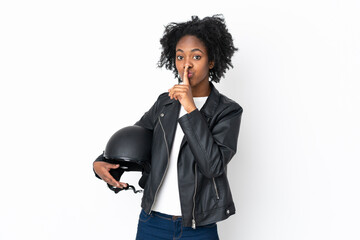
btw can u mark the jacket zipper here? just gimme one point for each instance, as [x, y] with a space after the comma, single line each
[193, 222]
[167, 166]
[216, 190]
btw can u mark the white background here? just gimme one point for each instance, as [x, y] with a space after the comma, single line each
[74, 72]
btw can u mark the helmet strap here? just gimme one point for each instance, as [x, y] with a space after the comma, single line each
[116, 190]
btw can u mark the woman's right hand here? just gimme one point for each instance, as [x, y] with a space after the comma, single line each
[102, 169]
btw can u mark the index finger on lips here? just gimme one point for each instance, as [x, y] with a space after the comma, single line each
[185, 76]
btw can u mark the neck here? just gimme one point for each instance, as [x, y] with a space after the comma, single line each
[202, 90]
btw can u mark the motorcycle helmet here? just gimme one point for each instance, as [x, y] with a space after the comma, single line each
[130, 147]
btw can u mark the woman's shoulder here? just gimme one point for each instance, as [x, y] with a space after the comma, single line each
[164, 98]
[228, 103]
[223, 102]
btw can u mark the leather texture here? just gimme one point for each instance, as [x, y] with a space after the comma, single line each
[209, 143]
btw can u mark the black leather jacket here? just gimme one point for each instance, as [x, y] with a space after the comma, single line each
[209, 143]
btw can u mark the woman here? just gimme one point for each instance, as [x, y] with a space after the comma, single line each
[195, 131]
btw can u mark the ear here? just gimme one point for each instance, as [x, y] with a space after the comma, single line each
[211, 64]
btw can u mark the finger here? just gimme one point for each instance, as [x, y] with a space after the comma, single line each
[171, 92]
[176, 89]
[180, 87]
[185, 76]
[122, 184]
[115, 183]
[113, 166]
[179, 96]
[178, 93]
[110, 180]
[103, 172]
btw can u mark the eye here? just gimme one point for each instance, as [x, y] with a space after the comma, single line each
[179, 57]
[197, 57]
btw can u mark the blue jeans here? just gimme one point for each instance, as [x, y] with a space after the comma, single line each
[159, 226]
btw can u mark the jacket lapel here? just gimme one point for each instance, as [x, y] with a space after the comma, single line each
[168, 118]
[209, 108]
[211, 103]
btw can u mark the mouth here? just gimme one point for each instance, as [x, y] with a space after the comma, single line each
[190, 74]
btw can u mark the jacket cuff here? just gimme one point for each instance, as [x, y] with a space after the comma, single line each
[186, 117]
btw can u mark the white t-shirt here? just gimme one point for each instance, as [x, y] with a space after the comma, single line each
[168, 200]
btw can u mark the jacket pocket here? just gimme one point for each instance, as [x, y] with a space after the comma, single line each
[144, 217]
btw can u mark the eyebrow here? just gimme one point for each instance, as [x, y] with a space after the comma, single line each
[193, 50]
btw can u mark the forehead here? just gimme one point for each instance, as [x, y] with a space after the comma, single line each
[190, 42]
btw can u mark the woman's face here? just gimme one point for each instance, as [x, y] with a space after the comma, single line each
[191, 51]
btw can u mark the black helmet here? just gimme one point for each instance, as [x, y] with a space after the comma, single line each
[131, 148]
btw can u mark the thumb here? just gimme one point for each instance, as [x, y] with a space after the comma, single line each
[114, 166]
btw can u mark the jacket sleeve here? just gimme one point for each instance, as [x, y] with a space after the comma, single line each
[213, 149]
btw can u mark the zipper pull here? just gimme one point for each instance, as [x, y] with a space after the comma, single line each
[193, 225]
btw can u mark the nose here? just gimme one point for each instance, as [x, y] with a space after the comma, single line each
[188, 63]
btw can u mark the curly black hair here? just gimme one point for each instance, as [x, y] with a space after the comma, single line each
[212, 31]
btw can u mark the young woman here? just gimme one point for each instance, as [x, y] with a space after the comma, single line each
[195, 132]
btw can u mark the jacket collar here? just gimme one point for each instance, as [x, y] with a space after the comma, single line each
[210, 105]
[212, 102]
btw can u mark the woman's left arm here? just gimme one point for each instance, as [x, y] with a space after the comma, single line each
[213, 149]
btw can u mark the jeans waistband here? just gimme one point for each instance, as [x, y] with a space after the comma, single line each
[166, 216]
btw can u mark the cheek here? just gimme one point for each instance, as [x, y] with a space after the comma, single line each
[178, 67]
[205, 69]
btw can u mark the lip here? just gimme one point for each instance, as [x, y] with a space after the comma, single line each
[190, 74]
